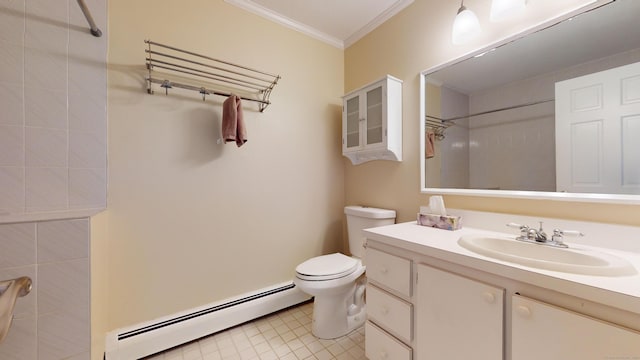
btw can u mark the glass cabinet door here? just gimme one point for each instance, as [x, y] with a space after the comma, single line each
[375, 127]
[353, 123]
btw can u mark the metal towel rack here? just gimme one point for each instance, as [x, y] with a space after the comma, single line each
[206, 75]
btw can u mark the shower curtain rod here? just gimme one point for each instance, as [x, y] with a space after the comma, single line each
[87, 14]
[488, 111]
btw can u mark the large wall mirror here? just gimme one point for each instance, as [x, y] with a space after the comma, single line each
[553, 114]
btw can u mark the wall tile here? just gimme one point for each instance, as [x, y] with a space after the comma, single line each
[54, 344]
[12, 21]
[63, 287]
[46, 188]
[45, 108]
[26, 306]
[46, 35]
[62, 240]
[11, 145]
[12, 189]
[87, 188]
[87, 149]
[17, 245]
[46, 147]
[11, 63]
[45, 69]
[21, 342]
[12, 104]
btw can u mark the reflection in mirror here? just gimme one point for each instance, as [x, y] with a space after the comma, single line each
[556, 111]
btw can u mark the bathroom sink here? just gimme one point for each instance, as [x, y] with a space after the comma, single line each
[571, 260]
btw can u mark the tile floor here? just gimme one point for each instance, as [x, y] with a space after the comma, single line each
[285, 335]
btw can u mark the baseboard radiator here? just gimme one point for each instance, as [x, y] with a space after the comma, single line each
[170, 331]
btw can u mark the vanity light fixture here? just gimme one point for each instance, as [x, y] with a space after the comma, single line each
[465, 26]
[502, 9]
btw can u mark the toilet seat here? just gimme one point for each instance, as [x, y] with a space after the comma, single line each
[327, 267]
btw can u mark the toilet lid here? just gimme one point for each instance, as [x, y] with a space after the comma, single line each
[327, 267]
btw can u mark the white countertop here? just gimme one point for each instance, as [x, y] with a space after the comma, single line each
[622, 292]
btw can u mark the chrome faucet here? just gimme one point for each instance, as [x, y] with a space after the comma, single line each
[538, 236]
[10, 290]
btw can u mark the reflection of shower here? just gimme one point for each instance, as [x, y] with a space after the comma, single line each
[10, 290]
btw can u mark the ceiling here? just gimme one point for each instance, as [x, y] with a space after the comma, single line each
[336, 22]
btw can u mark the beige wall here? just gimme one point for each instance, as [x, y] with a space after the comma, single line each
[415, 40]
[190, 221]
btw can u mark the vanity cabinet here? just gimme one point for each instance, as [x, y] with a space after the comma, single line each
[457, 317]
[389, 327]
[372, 122]
[544, 331]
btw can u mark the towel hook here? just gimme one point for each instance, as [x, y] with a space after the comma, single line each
[204, 92]
[166, 85]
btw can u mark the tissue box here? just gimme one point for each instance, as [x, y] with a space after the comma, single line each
[440, 222]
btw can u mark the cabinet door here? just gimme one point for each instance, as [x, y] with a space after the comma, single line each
[457, 318]
[542, 331]
[351, 119]
[375, 119]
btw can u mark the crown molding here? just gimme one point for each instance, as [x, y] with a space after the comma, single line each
[269, 14]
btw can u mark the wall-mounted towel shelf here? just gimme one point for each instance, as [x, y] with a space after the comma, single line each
[438, 126]
[190, 71]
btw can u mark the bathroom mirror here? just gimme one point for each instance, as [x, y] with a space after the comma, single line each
[489, 124]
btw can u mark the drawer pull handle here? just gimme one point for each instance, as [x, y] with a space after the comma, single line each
[489, 297]
[383, 354]
[523, 311]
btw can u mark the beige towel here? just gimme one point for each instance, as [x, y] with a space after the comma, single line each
[429, 144]
[233, 126]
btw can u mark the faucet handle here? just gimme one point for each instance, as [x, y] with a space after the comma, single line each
[517, 226]
[558, 234]
[524, 230]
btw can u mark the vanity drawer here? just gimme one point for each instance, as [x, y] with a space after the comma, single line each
[389, 270]
[389, 312]
[378, 345]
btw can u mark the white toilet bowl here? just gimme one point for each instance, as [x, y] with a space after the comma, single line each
[337, 283]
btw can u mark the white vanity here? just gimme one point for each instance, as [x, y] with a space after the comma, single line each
[428, 297]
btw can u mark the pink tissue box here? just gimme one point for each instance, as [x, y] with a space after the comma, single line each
[440, 222]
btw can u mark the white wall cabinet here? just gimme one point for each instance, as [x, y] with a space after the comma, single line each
[372, 122]
[457, 317]
[544, 331]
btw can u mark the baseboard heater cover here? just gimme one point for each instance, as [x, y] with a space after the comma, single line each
[170, 331]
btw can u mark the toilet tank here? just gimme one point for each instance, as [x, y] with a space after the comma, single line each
[360, 218]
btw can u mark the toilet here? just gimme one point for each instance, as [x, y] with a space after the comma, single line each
[336, 280]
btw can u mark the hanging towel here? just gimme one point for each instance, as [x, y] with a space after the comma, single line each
[233, 126]
[429, 144]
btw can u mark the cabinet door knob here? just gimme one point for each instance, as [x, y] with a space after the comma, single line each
[385, 310]
[383, 354]
[488, 297]
[524, 311]
[384, 270]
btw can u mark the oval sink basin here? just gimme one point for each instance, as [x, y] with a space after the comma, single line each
[577, 261]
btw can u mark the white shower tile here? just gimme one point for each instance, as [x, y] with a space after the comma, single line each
[63, 288]
[45, 147]
[20, 343]
[46, 188]
[26, 305]
[45, 108]
[45, 69]
[12, 104]
[87, 149]
[11, 189]
[17, 245]
[88, 188]
[46, 35]
[49, 11]
[12, 21]
[11, 63]
[63, 240]
[87, 109]
[61, 336]
[11, 145]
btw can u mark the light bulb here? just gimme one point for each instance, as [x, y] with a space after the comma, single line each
[502, 9]
[465, 26]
